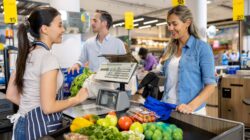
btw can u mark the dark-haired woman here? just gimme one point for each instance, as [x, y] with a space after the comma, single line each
[36, 84]
[188, 64]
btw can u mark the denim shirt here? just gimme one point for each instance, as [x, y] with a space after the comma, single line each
[196, 69]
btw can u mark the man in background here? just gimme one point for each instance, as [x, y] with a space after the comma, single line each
[102, 43]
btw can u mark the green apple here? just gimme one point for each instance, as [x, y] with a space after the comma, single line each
[136, 127]
[177, 136]
[156, 137]
[103, 122]
[152, 127]
[112, 120]
[144, 125]
[148, 134]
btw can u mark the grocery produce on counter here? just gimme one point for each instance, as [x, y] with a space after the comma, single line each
[124, 123]
[78, 123]
[98, 132]
[91, 117]
[93, 127]
[78, 81]
[142, 114]
[162, 131]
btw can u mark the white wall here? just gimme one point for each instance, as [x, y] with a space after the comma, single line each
[69, 50]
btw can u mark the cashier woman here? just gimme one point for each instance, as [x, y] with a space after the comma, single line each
[188, 64]
[35, 86]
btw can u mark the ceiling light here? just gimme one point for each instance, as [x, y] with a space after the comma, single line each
[143, 27]
[208, 2]
[139, 19]
[149, 22]
[17, 2]
[118, 24]
[162, 23]
[136, 25]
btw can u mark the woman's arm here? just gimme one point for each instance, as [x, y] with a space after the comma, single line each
[199, 100]
[12, 92]
[49, 103]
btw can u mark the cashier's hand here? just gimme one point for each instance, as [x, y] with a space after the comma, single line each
[184, 108]
[73, 68]
[82, 95]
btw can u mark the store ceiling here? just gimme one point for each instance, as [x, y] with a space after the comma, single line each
[217, 9]
[23, 6]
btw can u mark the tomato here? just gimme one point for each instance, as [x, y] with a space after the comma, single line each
[124, 122]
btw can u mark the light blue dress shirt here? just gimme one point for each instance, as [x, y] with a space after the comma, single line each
[196, 69]
[93, 48]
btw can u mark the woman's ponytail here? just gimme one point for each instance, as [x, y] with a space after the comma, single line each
[23, 51]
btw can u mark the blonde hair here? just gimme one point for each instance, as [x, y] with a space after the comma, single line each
[184, 14]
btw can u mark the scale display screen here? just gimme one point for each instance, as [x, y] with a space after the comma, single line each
[116, 72]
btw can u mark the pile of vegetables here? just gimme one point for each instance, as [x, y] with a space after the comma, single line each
[78, 81]
[98, 132]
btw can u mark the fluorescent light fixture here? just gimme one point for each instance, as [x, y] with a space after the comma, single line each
[136, 25]
[162, 23]
[1, 7]
[208, 1]
[139, 19]
[143, 27]
[17, 2]
[149, 22]
[118, 24]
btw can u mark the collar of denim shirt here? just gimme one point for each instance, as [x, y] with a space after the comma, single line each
[190, 41]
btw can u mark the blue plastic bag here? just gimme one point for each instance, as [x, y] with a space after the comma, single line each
[68, 78]
[163, 110]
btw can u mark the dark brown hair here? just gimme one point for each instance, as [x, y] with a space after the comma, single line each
[38, 17]
[105, 16]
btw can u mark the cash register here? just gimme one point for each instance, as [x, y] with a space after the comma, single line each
[108, 99]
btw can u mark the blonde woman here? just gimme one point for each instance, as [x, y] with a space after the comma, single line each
[188, 64]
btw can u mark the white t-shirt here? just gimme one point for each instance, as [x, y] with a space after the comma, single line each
[172, 80]
[38, 62]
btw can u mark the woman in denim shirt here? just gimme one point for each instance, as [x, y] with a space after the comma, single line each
[188, 64]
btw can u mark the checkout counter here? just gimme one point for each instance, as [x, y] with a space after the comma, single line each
[234, 98]
[194, 126]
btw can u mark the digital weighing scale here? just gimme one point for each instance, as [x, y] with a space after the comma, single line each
[107, 99]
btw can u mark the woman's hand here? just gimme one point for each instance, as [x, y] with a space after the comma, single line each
[82, 95]
[184, 108]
